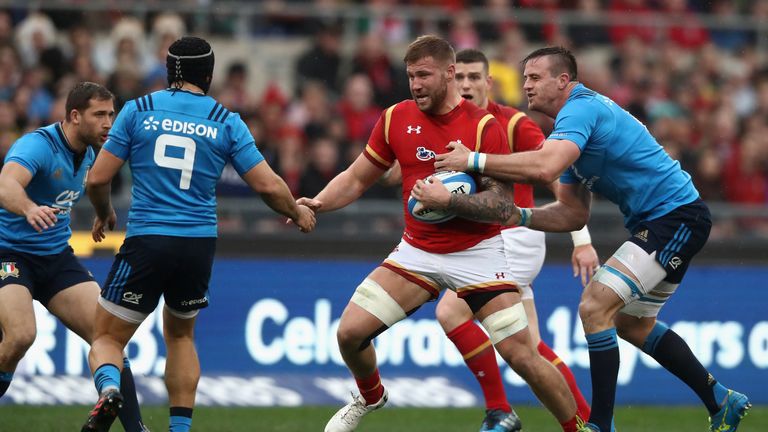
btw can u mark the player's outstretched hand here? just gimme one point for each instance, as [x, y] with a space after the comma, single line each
[41, 217]
[99, 226]
[432, 194]
[585, 262]
[306, 219]
[454, 160]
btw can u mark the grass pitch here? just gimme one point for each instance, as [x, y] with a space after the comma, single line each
[629, 419]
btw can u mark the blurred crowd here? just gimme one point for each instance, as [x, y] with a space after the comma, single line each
[702, 91]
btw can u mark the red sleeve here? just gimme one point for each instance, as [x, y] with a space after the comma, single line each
[378, 150]
[493, 139]
[527, 135]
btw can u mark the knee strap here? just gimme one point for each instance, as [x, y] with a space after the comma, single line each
[374, 299]
[506, 322]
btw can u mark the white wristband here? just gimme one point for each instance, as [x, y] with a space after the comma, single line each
[581, 237]
[525, 217]
[476, 161]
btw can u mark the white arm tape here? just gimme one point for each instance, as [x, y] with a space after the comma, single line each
[581, 237]
[374, 299]
[506, 322]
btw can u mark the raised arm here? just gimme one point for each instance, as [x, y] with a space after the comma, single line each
[14, 179]
[540, 166]
[275, 193]
[345, 187]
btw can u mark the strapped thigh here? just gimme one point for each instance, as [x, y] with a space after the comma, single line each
[370, 296]
[506, 322]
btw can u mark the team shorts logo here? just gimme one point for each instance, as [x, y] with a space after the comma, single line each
[8, 269]
[675, 262]
[642, 235]
[132, 297]
[423, 154]
[194, 301]
[412, 129]
[151, 123]
[500, 275]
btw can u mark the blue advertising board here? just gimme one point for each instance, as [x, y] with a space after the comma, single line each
[270, 334]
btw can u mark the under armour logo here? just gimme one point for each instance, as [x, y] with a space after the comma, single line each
[500, 275]
[151, 123]
[416, 129]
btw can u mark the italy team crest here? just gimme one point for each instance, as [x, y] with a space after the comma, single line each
[8, 269]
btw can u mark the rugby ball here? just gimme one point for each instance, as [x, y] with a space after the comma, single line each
[456, 182]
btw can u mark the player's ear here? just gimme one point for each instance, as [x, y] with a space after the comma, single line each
[563, 81]
[74, 117]
[450, 73]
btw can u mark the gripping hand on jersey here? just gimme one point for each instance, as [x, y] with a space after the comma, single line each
[99, 225]
[454, 160]
[432, 194]
[41, 217]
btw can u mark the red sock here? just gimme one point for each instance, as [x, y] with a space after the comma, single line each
[478, 353]
[370, 387]
[570, 425]
[582, 407]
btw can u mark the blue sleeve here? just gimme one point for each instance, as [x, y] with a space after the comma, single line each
[567, 177]
[119, 140]
[576, 122]
[243, 153]
[31, 151]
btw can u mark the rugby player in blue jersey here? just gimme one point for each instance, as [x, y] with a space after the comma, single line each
[177, 142]
[42, 179]
[596, 146]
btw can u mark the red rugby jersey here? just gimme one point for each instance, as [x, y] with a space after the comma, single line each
[413, 138]
[523, 134]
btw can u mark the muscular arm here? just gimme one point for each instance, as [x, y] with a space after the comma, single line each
[349, 184]
[540, 166]
[14, 178]
[494, 203]
[273, 189]
[99, 182]
[569, 213]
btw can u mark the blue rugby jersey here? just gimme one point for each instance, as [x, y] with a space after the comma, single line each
[620, 159]
[177, 144]
[58, 181]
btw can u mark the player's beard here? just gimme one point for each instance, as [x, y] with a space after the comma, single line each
[436, 98]
[92, 139]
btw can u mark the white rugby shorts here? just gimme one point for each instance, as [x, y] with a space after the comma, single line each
[482, 267]
[525, 250]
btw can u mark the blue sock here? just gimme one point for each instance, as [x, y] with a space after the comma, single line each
[181, 419]
[106, 376]
[671, 351]
[604, 369]
[5, 381]
[130, 415]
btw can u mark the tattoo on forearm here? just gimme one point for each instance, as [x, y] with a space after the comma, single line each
[494, 203]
